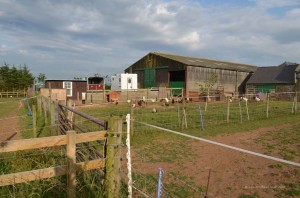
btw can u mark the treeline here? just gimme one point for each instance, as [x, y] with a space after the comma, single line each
[15, 78]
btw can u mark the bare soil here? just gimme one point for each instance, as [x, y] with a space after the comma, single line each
[233, 173]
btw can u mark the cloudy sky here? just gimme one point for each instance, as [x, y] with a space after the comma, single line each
[78, 38]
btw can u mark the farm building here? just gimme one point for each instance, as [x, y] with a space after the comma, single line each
[95, 83]
[75, 89]
[282, 78]
[176, 71]
[124, 81]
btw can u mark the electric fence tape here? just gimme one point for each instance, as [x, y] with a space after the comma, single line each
[223, 145]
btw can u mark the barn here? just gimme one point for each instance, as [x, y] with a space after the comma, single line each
[282, 78]
[75, 89]
[177, 71]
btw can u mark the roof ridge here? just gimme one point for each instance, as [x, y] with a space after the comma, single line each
[207, 59]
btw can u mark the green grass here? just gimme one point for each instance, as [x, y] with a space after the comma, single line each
[6, 106]
[249, 196]
[155, 146]
[282, 142]
[88, 182]
[160, 147]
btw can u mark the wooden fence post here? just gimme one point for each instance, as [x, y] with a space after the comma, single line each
[34, 120]
[52, 117]
[69, 113]
[104, 95]
[247, 110]
[228, 109]
[39, 103]
[71, 155]
[241, 115]
[52, 113]
[113, 158]
[183, 118]
[45, 110]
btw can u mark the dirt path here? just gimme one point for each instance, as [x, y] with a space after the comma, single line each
[234, 174]
[9, 125]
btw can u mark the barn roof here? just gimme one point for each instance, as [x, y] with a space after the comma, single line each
[73, 80]
[210, 63]
[282, 74]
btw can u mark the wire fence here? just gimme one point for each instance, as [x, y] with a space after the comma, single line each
[185, 172]
[202, 114]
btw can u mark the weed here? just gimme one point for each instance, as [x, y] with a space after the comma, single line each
[255, 195]
[279, 166]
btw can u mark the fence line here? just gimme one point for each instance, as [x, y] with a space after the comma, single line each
[12, 93]
[35, 143]
[223, 145]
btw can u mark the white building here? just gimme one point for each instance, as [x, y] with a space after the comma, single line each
[124, 81]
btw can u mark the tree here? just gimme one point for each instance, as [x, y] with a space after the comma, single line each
[4, 73]
[15, 78]
[41, 77]
[208, 84]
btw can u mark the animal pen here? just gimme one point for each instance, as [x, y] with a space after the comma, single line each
[165, 164]
[169, 165]
[82, 147]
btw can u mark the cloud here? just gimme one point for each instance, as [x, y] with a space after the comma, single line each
[81, 38]
[276, 3]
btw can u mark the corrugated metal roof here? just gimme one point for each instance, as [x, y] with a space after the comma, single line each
[73, 80]
[282, 74]
[203, 62]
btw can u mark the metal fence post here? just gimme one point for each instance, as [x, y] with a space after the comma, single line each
[131, 118]
[129, 157]
[159, 184]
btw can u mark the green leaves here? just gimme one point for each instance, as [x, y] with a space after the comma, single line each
[15, 78]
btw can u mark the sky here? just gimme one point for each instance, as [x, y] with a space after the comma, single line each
[66, 39]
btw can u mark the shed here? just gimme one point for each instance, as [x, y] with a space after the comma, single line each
[177, 71]
[124, 81]
[75, 89]
[281, 78]
[95, 83]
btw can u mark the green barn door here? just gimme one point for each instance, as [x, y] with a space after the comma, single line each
[266, 88]
[149, 79]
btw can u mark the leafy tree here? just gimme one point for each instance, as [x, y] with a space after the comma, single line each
[208, 84]
[41, 77]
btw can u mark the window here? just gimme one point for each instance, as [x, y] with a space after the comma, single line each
[68, 85]
[129, 80]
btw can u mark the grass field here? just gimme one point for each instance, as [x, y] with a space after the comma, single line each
[6, 106]
[88, 183]
[186, 162]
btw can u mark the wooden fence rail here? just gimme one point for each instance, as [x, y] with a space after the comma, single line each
[8, 94]
[71, 139]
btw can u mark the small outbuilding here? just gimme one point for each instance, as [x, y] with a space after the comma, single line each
[75, 89]
[282, 78]
[95, 83]
[124, 81]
